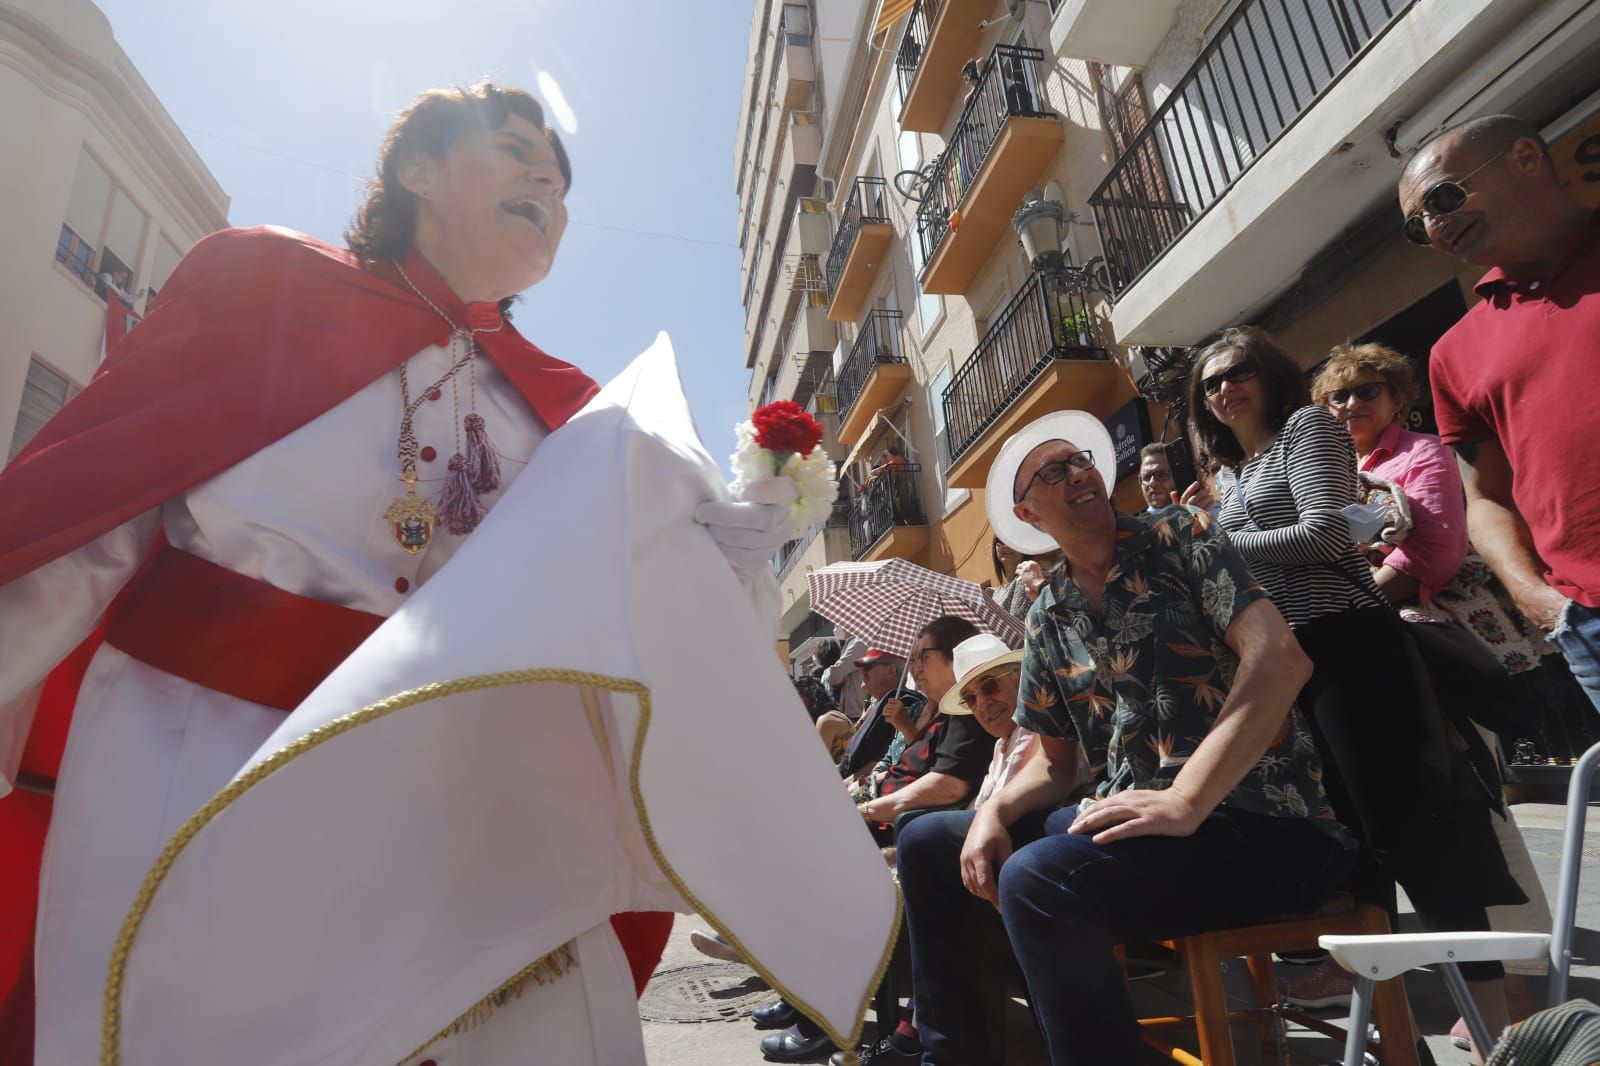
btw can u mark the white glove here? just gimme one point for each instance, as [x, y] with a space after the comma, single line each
[751, 527]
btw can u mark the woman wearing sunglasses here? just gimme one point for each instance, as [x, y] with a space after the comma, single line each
[1289, 468]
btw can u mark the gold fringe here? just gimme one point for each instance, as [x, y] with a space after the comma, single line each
[546, 969]
[111, 1027]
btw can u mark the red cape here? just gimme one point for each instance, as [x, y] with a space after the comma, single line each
[256, 333]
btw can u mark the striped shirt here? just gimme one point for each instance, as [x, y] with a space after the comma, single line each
[1294, 535]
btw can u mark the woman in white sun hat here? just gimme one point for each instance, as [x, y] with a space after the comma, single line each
[987, 673]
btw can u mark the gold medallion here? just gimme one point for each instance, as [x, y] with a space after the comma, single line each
[411, 518]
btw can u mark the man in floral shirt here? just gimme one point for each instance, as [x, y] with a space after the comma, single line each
[1153, 658]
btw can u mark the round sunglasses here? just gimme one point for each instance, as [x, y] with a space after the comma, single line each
[1366, 393]
[1445, 198]
[987, 688]
[1240, 371]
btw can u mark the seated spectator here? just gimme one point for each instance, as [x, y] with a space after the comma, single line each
[945, 762]
[881, 681]
[941, 767]
[832, 727]
[1155, 652]
[1155, 477]
[1018, 578]
[986, 688]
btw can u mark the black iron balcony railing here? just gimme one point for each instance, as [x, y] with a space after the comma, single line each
[868, 202]
[1266, 66]
[1040, 324]
[888, 499]
[789, 555]
[878, 342]
[915, 42]
[1008, 86]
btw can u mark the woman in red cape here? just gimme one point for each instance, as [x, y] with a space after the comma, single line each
[294, 439]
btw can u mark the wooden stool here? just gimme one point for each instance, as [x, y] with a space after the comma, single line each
[1204, 953]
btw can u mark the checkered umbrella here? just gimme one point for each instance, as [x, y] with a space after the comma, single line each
[886, 604]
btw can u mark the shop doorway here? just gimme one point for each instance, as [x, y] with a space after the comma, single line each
[1413, 332]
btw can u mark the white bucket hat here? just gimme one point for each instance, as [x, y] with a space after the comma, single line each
[972, 657]
[1077, 427]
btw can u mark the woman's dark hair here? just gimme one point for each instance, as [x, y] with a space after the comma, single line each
[384, 225]
[947, 631]
[1282, 380]
[828, 652]
[1000, 574]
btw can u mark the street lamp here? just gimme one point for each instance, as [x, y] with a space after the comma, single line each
[1041, 225]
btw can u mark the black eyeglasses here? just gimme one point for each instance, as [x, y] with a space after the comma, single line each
[1055, 472]
[1243, 370]
[1445, 198]
[988, 688]
[1365, 393]
[920, 657]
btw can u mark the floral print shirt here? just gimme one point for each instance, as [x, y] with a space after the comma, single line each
[1141, 687]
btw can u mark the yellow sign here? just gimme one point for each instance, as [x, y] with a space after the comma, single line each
[1577, 157]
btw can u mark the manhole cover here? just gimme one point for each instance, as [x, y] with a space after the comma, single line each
[703, 992]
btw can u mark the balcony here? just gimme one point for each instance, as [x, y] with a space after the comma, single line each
[1110, 31]
[858, 250]
[795, 73]
[940, 37]
[997, 151]
[886, 517]
[872, 375]
[1042, 354]
[1191, 224]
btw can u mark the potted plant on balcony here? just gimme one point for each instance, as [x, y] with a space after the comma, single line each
[1075, 330]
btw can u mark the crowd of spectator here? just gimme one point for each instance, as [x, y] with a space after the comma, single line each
[1286, 680]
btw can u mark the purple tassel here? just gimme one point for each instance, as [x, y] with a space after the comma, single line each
[459, 509]
[483, 462]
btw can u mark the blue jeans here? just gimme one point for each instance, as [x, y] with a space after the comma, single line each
[1578, 637]
[1067, 902]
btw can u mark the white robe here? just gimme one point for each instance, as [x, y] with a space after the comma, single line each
[380, 864]
[146, 748]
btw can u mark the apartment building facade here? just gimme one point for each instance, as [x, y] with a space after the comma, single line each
[107, 186]
[1216, 162]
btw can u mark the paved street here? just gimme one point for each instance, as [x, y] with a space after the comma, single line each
[690, 985]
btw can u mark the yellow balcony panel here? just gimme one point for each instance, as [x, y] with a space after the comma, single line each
[900, 542]
[935, 82]
[861, 264]
[1099, 386]
[883, 386]
[1014, 166]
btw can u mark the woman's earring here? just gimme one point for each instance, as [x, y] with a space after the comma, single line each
[425, 195]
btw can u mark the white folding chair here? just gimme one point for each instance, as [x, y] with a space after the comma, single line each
[1378, 958]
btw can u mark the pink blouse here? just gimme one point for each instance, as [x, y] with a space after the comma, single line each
[1426, 471]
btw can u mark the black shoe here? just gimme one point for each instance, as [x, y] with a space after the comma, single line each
[886, 1052]
[792, 1045]
[776, 1015]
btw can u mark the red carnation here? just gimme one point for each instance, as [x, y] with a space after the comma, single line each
[784, 426]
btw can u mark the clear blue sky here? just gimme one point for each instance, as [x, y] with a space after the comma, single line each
[286, 101]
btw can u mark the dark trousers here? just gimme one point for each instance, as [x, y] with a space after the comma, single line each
[1067, 902]
[1391, 777]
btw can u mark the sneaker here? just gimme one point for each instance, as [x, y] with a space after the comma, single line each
[1327, 985]
[885, 1052]
[713, 945]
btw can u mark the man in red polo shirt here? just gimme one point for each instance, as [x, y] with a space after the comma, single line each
[1512, 380]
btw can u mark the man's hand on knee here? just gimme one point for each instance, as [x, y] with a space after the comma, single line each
[1139, 813]
[987, 848]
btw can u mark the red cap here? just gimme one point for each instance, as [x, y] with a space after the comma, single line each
[876, 656]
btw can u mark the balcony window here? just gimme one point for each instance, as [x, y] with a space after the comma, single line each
[1265, 65]
[1041, 324]
[103, 228]
[888, 499]
[1008, 86]
[868, 204]
[877, 344]
[44, 392]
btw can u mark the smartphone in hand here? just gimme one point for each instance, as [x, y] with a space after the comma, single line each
[1181, 462]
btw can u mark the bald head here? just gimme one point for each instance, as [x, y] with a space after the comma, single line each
[1486, 192]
